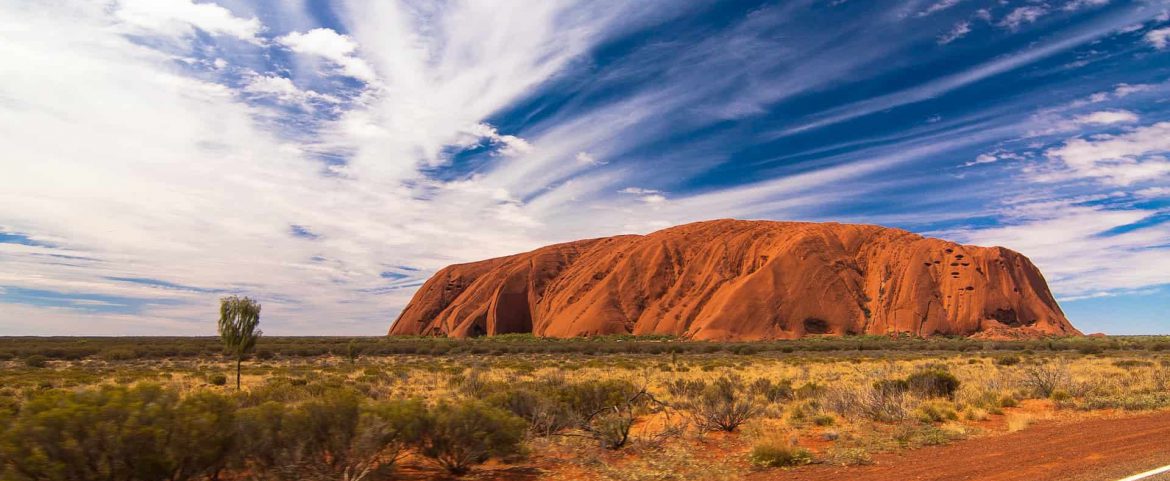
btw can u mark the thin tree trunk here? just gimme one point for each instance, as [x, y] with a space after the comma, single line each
[237, 373]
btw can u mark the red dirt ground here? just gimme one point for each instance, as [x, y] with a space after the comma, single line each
[1088, 450]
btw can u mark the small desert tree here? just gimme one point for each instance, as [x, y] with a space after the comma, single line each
[238, 319]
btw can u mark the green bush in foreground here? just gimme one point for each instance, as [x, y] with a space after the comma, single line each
[772, 454]
[117, 434]
[149, 433]
[462, 435]
[334, 437]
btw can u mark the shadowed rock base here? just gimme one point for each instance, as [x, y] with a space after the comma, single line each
[743, 280]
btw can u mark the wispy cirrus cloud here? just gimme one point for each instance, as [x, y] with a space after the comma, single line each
[1022, 15]
[960, 30]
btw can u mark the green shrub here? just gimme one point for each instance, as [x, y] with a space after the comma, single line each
[1132, 363]
[1129, 401]
[772, 454]
[933, 383]
[119, 354]
[935, 412]
[218, 379]
[773, 391]
[36, 361]
[1044, 379]
[327, 438]
[824, 420]
[144, 433]
[458, 436]
[1090, 349]
[612, 428]
[544, 413]
[1008, 360]
[724, 405]
[203, 436]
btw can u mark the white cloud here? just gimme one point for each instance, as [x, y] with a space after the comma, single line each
[1080, 4]
[993, 157]
[1110, 293]
[1098, 98]
[284, 90]
[1131, 28]
[982, 159]
[1074, 247]
[208, 200]
[938, 7]
[181, 17]
[1159, 38]
[1107, 117]
[1122, 159]
[649, 196]
[511, 144]
[588, 159]
[332, 46]
[960, 30]
[1153, 192]
[639, 191]
[1124, 90]
[1052, 122]
[1022, 15]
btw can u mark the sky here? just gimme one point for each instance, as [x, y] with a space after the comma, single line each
[327, 157]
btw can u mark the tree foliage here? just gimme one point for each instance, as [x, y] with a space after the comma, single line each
[239, 318]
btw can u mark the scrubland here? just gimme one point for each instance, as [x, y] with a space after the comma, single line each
[516, 407]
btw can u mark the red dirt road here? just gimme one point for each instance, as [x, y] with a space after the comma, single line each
[1092, 450]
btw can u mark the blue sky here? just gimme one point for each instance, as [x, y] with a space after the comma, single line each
[327, 157]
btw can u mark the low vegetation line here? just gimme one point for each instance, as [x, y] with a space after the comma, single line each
[127, 348]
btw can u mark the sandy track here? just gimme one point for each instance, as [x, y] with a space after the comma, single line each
[1092, 450]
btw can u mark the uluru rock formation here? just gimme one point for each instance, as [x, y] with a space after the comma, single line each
[743, 280]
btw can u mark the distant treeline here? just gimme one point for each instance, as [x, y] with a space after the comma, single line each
[129, 348]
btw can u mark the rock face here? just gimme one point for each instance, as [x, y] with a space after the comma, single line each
[743, 280]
